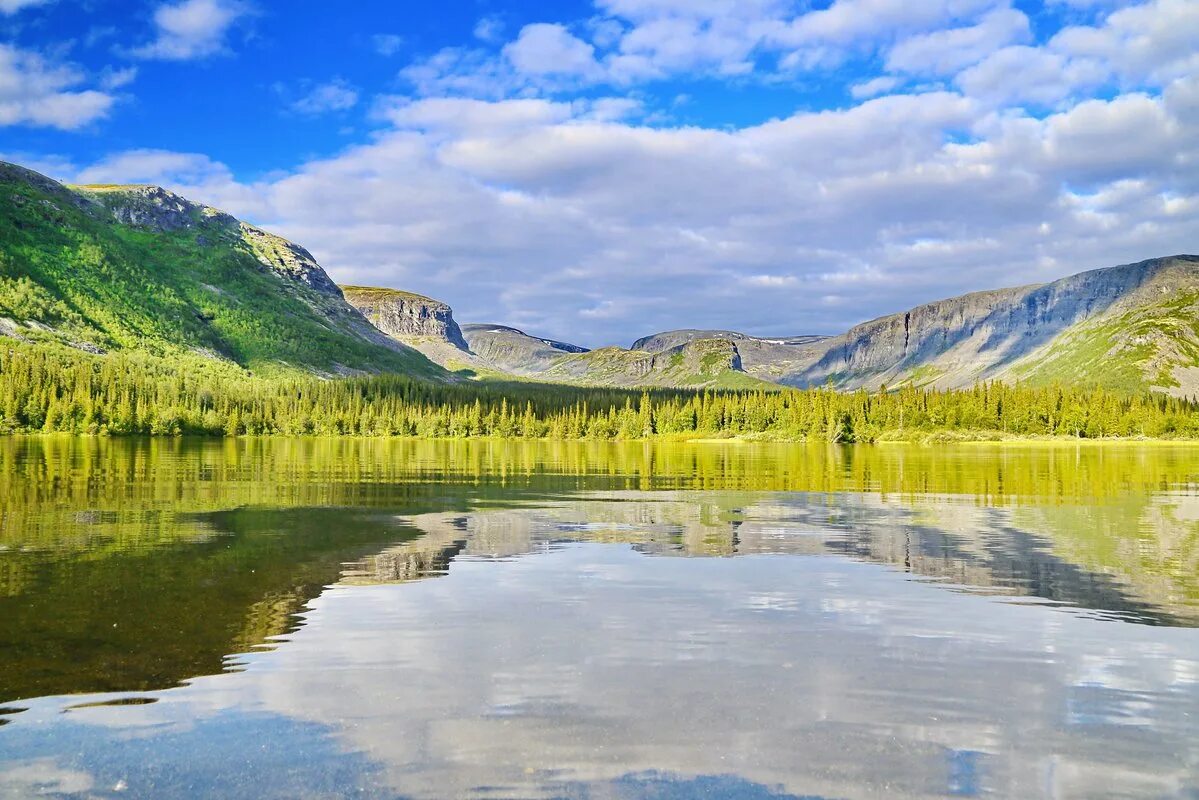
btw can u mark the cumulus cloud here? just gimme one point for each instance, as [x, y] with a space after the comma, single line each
[981, 157]
[633, 41]
[489, 29]
[1032, 75]
[191, 29]
[1153, 42]
[38, 92]
[544, 49]
[874, 87]
[581, 226]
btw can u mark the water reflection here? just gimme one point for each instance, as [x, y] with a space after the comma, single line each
[486, 620]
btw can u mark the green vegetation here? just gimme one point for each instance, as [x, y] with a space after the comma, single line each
[1094, 353]
[1127, 352]
[377, 293]
[198, 287]
[44, 388]
[97, 530]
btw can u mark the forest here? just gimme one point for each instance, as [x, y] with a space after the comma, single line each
[56, 390]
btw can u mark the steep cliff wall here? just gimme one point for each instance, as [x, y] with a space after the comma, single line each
[405, 315]
[986, 335]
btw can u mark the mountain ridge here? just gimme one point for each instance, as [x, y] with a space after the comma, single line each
[1060, 330]
[106, 268]
[139, 268]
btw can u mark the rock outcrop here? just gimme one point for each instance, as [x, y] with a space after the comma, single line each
[154, 208]
[768, 358]
[511, 350]
[406, 316]
[698, 362]
[1005, 334]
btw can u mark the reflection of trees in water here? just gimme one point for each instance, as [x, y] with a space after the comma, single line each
[133, 564]
[147, 618]
[108, 491]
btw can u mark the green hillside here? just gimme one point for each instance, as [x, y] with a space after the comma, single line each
[137, 268]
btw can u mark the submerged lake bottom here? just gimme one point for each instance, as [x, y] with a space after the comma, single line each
[405, 619]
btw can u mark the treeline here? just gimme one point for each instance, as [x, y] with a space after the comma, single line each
[48, 391]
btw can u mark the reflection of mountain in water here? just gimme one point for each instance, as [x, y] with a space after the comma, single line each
[1035, 552]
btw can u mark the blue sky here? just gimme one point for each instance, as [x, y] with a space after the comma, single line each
[595, 171]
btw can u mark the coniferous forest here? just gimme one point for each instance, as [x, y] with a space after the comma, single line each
[47, 390]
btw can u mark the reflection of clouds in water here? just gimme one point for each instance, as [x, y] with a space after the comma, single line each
[472, 680]
[42, 776]
[564, 672]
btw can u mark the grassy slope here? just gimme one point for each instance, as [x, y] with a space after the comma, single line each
[70, 272]
[1128, 352]
[375, 293]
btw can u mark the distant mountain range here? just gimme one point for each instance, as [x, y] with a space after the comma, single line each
[1129, 327]
[139, 268]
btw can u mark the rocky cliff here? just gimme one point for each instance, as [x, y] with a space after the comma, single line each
[1068, 330]
[406, 316]
[768, 358]
[698, 362]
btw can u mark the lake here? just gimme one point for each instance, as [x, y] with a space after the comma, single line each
[408, 619]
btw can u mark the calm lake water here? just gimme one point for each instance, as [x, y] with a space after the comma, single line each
[392, 619]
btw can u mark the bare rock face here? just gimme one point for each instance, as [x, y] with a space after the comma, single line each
[287, 259]
[986, 335]
[406, 316]
[161, 210]
[153, 208]
[511, 350]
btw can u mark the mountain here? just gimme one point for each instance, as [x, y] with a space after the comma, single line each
[1129, 327]
[139, 268]
[422, 323]
[406, 315]
[767, 359]
[503, 352]
[511, 350]
[500, 351]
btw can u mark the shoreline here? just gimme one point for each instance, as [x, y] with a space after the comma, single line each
[933, 439]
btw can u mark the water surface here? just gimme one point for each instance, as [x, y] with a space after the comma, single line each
[436, 619]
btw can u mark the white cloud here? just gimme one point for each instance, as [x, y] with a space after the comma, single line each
[191, 29]
[944, 52]
[634, 41]
[153, 166]
[847, 23]
[1021, 74]
[13, 6]
[35, 91]
[1153, 42]
[336, 95]
[563, 219]
[874, 87]
[543, 49]
[489, 29]
[111, 79]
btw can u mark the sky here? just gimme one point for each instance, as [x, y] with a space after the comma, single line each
[595, 171]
